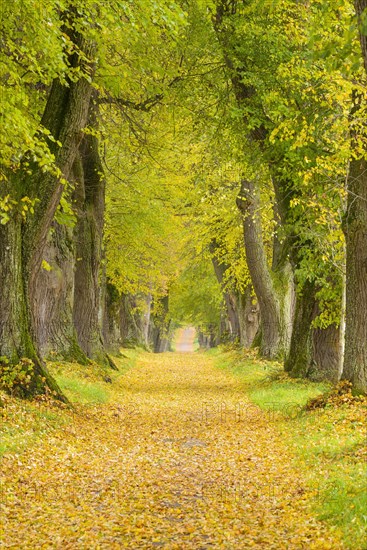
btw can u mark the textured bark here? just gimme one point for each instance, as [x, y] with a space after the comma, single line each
[314, 352]
[326, 363]
[274, 326]
[65, 115]
[54, 297]
[355, 230]
[15, 337]
[298, 361]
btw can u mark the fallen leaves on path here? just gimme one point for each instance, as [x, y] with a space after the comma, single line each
[182, 460]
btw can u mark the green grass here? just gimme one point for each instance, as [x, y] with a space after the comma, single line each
[92, 383]
[329, 442]
[81, 391]
[332, 442]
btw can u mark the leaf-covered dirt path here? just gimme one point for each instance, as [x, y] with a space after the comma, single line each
[183, 461]
[185, 339]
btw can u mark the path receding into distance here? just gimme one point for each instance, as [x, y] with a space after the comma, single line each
[181, 462]
[185, 339]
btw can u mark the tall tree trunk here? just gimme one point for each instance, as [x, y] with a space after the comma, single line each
[275, 305]
[22, 243]
[355, 229]
[274, 341]
[326, 364]
[90, 205]
[314, 352]
[16, 333]
[298, 360]
[124, 317]
[355, 355]
[15, 338]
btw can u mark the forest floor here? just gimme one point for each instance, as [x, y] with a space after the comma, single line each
[177, 457]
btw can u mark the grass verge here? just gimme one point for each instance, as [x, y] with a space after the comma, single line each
[328, 439]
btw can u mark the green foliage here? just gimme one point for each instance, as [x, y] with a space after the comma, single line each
[183, 159]
[195, 297]
[16, 378]
[82, 391]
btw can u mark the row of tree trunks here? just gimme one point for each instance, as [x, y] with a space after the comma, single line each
[127, 319]
[112, 321]
[135, 318]
[67, 300]
[241, 308]
[313, 353]
[325, 355]
[275, 321]
[285, 334]
[208, 337]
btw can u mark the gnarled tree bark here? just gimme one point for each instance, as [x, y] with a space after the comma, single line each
[275, 324]
[54, 298]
